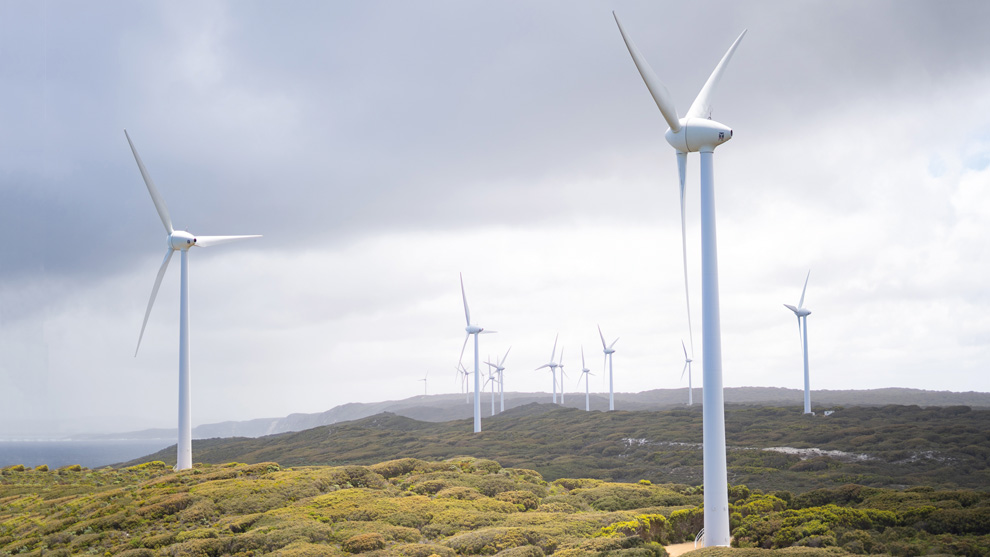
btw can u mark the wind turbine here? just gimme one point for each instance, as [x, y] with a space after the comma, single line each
[608, 350]
[424, 382]
[586, 372]
[177, 241]
[697, 132]
[553, 367]
[492, 375]
[562, 374]
[500, 369]
[463, 373]
[687, 368]
[802, 318]
[475, 330]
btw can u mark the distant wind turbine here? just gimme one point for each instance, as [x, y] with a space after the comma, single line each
[687, 368]
[499, 366]
[608, 350]
[697, 132]
[463, 374]
[562, 375]
[802, 317]
[586, 372]
[553, 367]
[424, 382]
[475, 330]
[177, 241]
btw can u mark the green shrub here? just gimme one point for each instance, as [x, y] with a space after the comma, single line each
[460, 492]
[364, 542]
[420, 550]
[522, 551]
[524, 500]
[41, 468]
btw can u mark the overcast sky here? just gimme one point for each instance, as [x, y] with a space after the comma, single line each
[383, 147]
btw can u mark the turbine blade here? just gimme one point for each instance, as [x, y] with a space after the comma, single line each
[685, 351]
[801, 303]
[541, 367]
[467, 312]
[207, 241]
[602, 337]
[154, 293]
[502, 362]
[799, 332]
[683, 371]
[682, 174]
[554, 353]
[487, 332]
[659, 91]
[582, 358]
[702, 105]
[613, 343]
[460, 361]
[155, 196]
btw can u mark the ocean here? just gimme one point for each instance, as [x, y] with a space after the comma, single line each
[90, 453]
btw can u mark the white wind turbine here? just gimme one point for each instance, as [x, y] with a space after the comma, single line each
[492, 378]
[424, 382]
[586, 372]
[697, 132]
[181, 241]
[608, 350]
[500, 370]
[475, 330]
[802, 317]
[562, 375]
[687, 369]
[553, 367]
[463, 375]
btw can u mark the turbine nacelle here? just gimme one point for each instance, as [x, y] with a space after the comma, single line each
[800, 312]
[473, 329]
[181, 240]
[698, 134]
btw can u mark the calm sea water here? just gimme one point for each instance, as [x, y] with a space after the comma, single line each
[91, 454]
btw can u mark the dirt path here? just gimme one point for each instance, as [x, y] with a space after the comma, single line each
[679, 548]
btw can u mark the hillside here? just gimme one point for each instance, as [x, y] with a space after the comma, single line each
[464, 506]
[769, 448]
[447, 407]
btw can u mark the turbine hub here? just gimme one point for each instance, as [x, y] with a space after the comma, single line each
[181, 240]
[473, 329]
[698, 134]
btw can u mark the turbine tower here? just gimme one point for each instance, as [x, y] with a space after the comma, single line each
[424, 382]
[177, 241]
[608, 350]
[553, 367]
[500, 369]
[687, 368]
[802, 318]
[586, 372]
[475, 330]
[697, 132]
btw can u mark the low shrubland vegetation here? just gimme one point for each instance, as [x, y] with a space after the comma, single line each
[461, 506]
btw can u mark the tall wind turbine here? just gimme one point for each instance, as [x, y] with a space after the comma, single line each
[608, 350]
[424, 382]
[553, 367]
[802, 318]
[475, 330]
[697, 132]
[586, 372]
[177, 241]
[499, 366]
[562, 375]
[687, 369]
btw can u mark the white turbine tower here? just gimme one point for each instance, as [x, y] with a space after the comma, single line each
[424, 382]
[500, 370]
[802, 318]
[687, 369]
[697, 132]
[553, 367]
[181, 241]
[608, 350]
[562, 375]
[586, 372]
[475, 330]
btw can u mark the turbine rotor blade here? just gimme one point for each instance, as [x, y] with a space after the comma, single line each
[467, 312]
[613, 343]
[460, 361]
[683, 371]
[554, 353]
[582, 358]
[685, 351]
[207, 241]
[801, 303]
[487, 332]
[156, 197]
[154, 293]
[659, 91]
[702, 105]
[682, 174]
[602, 337]
[504, 357]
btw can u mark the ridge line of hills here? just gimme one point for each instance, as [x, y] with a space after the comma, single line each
[453, 406]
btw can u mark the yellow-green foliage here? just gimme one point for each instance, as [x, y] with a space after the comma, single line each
[364, 542]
